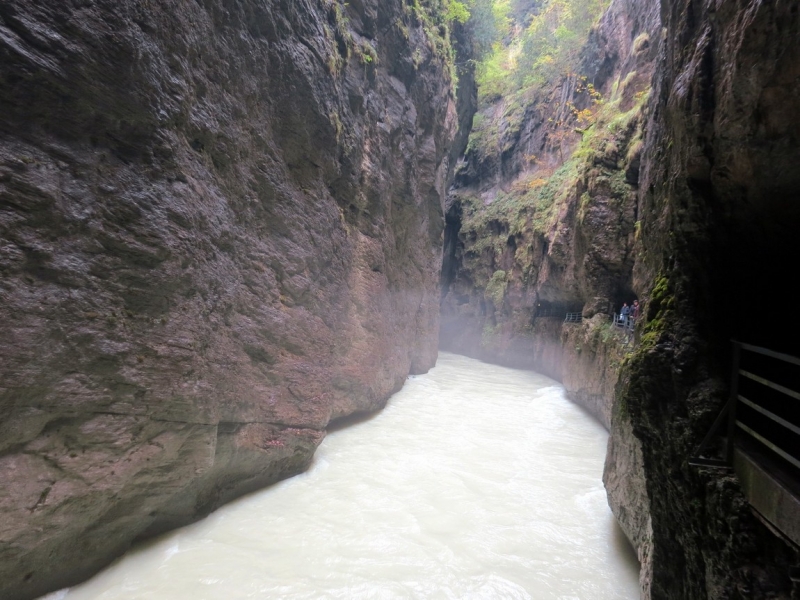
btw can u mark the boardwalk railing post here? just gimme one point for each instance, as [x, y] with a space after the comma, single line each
[737, 347]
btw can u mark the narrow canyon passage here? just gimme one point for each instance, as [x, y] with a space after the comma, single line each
[476, 481]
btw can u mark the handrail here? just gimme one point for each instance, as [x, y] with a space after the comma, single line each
[770, 384]
[735, 399]
[620, 322]
[782, 453]
[573, 317]
[770, 415]
[771, 353]
[762, 440]
[752, 403]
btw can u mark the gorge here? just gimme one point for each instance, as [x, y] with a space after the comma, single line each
[373, 515]
[222, 227]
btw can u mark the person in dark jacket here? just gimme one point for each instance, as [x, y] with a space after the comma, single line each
[625, 313]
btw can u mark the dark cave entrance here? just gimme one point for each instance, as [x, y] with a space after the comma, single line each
[755, 276]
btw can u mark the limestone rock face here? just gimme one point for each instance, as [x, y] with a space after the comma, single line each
[220, 229]
[705, 241]
[626, 488]
[719, 217]
[500, 277]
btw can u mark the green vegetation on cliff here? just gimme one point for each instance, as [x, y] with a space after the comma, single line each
[529, 52]
[536, 45]
[532, 203]
[546, 193]
[435, 16]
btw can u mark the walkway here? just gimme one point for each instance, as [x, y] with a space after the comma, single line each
[762, 442]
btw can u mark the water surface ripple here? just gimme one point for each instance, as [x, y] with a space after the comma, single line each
[475, 482]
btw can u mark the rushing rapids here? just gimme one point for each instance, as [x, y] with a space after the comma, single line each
[475, 482]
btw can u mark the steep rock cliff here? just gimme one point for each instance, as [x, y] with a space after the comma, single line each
[221, 229]
[542, 219]
[703, 240]
[718, 220]
[528, 240]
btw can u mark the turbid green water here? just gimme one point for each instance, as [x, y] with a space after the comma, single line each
[475, 482]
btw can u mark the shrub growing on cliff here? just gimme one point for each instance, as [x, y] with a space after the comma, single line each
[489, 23]
[496, 288]
[436, 17]
[456, 11]
[552, 42]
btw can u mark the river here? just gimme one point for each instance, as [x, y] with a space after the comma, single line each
[476, 482]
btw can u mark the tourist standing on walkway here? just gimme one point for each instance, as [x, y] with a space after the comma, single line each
[635, 310]
[625, 313]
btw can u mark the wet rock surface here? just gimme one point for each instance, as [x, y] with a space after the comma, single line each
[702, 241]
[576, 254]
[716, 220]
[220, 229]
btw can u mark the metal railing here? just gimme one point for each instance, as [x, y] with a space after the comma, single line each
[628, 323]
[573, 317]
[766, 409]
[762, 444]
[555, 310]
[762, 407]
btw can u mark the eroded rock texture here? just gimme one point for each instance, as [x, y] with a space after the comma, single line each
[220, 229]
[506, 300]
[706, 241]
[719, 217]
[506, 272]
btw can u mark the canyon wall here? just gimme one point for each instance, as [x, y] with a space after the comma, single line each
[529, 240]
[683, 199]
[719, 217]
[547, 225]
[220, 229]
